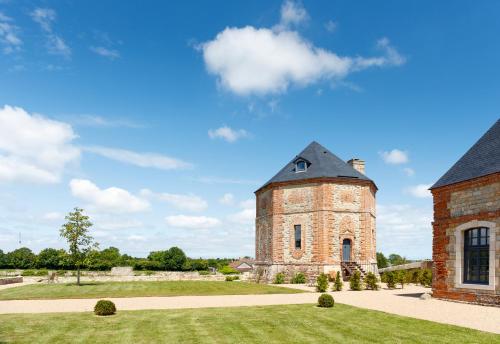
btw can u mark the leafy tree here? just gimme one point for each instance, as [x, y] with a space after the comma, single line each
[22, 258]
[2, 259]
[337, 285]
[396, 259]
[390, 278]
[381, 261]
[371, 281]
[50, 258]
[402, 277]
[425, 278]
[75, 231]
[172, 259]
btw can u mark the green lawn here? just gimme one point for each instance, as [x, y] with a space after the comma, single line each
[269, 324]
[135, 289]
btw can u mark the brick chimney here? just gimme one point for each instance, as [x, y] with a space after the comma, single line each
[358, 165]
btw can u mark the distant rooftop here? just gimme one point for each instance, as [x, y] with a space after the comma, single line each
[320, 163]
[482, 159]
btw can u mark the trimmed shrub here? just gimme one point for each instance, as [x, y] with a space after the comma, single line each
[279, 278]
[42, 272]
[426, 278]
[227, 270]
[104, 307]
[390, 279]
[355, 281]
[232, 278]
[337, 285]
[371, 281]
[299, 278]
[326, 301]
[402, 277]
[322, 283]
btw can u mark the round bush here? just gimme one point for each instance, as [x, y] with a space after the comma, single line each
[326, 301]
[104, 307]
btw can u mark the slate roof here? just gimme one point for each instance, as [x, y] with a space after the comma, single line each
[321, 164]
[480, 160]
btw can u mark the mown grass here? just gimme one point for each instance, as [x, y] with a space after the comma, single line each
[265, 324]
[136, 289]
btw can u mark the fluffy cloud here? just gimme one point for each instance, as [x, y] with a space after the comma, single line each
[253, 60]
[404, 229]
[45, 17]
[292, 13]
[139, 159]
[112, 199]
[410, 172]
[331, 26]
[192, 222]
[182, 202]
[34, 148]
[53, 216]
[395, 156]
[105, 52]
[9, 37]
[246, 216]
[227, 199]
[227, 134]
[420, 190]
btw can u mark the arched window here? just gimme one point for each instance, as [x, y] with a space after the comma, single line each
[476, 255]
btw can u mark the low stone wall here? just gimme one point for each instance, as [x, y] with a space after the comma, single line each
[11, 280]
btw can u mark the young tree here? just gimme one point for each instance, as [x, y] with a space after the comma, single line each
[75, 231]
[337, 285]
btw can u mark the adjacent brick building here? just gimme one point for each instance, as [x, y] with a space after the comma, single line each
[316, 215]
[466, 227]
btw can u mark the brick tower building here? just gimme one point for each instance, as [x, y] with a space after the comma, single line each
[466, 227]
[316, 215]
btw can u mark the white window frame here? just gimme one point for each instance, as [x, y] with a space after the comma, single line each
[297, 164]
[459, 251]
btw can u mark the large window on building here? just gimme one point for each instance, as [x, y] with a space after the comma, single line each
[476, 255]
[298, 237]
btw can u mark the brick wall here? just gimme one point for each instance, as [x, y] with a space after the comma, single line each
[328, 211]
[456, 207]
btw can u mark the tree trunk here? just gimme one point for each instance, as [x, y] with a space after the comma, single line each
[78, 276]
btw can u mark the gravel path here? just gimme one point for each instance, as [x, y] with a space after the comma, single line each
[402, 302]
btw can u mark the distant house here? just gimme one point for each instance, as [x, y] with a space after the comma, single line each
[242, 265]
[466, 227]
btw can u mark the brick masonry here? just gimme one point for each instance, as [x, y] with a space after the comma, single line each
[329, 211]
[458, 207]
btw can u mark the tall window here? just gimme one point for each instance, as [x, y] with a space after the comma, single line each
[476, 255]
[298, 237]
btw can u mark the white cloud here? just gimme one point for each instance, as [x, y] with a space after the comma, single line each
[410, 172]
[217, 180]
[405, 230]
[112, 223]
[227, 199]
[192, 222]
[331, 26]
[253, 60]
[99, 121]
[188, 202]
[45, 17]
[53, 216]
[34, 148]
[9, 37]
[395, 156]
[154, 160]
[227, 134]
[105, 52]
[292, 13]
[112, 199]
[246, 215]
[420, 190]
[134, 237]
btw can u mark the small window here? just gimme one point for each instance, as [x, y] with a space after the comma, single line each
[298, 237]
[300, 166]
[476, 255]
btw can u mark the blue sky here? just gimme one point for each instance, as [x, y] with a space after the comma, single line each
[162, 119]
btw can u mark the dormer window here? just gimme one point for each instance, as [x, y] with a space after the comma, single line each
[300, 166]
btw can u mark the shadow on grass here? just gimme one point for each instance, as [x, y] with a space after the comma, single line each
[83, 284]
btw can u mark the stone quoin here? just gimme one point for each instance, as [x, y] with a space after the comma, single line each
[317, 215]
